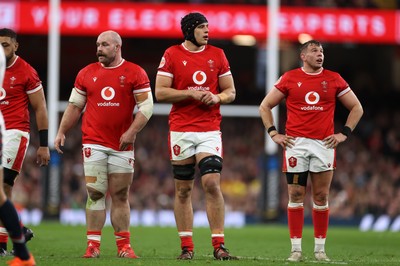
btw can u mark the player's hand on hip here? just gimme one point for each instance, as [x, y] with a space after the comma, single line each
[333, 141]
[284, 140]
[43, 156]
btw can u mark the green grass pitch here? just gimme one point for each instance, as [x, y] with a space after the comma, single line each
[59, 245]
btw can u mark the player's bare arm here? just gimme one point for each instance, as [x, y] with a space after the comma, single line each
[129, 136]
[227, 94]
[272, 99]
[351, 102]
[145, 105]
[228, 91]
[165, 93]
[38, 103]
[69, 119]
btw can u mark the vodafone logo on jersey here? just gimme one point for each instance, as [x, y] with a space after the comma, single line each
[107, 93]
[312, 98]
[199, 78]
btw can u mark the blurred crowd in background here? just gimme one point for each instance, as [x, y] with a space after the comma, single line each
[367, 178]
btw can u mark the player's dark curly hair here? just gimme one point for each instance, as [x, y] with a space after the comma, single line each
[189, 23]
[5, 32]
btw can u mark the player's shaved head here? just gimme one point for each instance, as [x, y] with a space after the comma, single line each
[111, 36]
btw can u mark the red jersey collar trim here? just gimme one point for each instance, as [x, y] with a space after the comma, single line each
[312, 74]
[13, 63]
[198, 51]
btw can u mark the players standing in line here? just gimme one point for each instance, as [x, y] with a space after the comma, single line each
[196, 78]
[109, 90]
[21, 87]
[309, 142]
[8, 213]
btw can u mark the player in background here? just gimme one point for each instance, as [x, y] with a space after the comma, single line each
[196, 78]
[309, 143]
[22, 87]
[109, 90]
[8, 213]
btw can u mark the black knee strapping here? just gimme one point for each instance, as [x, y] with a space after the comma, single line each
[9, 176]
[297, 178]
[210, 164]
[183, 172]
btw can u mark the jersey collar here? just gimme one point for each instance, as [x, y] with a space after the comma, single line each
[198, 51]
[13, 63]
[312, 74]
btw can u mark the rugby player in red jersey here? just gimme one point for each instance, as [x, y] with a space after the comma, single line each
[310, 142]
[196, 78]
[8, 213]
[22, 88]
[108, 92]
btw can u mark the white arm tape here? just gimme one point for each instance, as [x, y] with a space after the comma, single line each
[146, 107]
[77, 99]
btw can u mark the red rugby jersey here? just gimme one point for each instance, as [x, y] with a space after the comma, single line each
[311, 101]
[110, 100]
[198, 70]
[20, 80]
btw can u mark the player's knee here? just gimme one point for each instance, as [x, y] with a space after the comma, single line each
[9, 176]
[183, 192]
[96, 200]
[210, 164]
[183, 172]
[211, 185]
[96, 185]
[94, 194]
[320, 198]
[121, 194]
[297, 193]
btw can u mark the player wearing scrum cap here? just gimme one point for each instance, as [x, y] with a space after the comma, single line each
[196, 78]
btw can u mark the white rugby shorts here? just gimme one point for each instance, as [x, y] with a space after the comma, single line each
[15, 146]
[308, 155]
[116, 161]
[183, 145]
